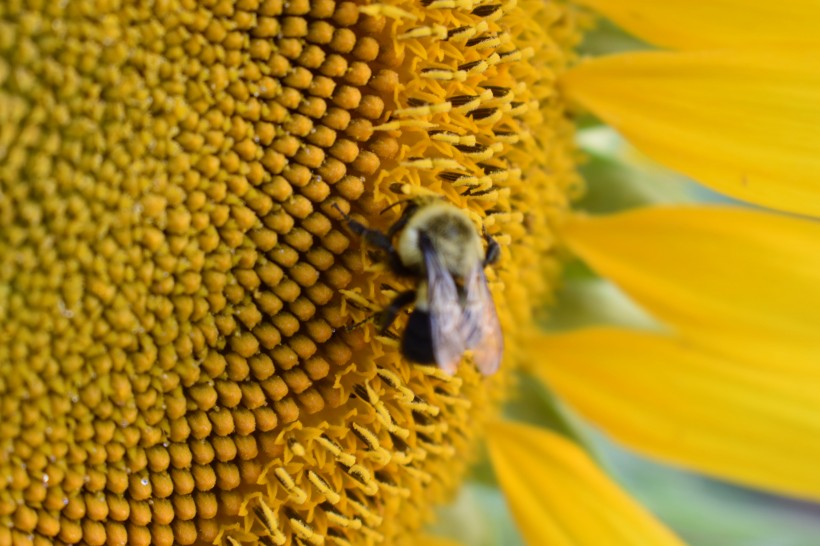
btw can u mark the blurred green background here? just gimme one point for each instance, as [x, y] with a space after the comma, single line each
[702, 511]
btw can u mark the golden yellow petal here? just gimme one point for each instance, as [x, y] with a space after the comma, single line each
[559, 497]
[745, 123]
[752, 424]
[714, 23]
[741, 282]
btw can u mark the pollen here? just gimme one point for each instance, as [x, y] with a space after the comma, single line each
[176, 287]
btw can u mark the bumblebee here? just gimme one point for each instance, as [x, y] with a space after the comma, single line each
[453, 311]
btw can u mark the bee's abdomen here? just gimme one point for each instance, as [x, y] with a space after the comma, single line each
[417, 344]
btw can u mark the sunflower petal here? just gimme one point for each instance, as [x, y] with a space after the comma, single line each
[741, 282]
[559, 497]
[745, 123]
[714, 23]
[758, 426]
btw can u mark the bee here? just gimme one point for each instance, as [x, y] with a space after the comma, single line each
[453, 309]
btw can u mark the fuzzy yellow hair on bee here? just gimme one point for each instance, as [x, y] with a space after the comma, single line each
[453, 310]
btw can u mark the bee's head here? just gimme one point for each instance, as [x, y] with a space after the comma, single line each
[450, 234]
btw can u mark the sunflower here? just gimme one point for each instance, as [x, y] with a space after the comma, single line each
[177, 282]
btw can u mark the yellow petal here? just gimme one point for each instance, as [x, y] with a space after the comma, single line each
[560, 498]
[692, 24]
[746, 123]
[741, 282]
[759, 426]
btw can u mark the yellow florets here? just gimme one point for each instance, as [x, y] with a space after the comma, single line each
[175, 285]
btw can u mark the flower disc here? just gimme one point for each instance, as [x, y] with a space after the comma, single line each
[175, 283]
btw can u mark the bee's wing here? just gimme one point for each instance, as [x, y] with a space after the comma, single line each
[482, 330]
[445, 311]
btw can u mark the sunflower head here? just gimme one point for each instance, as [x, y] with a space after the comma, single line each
[175, 284]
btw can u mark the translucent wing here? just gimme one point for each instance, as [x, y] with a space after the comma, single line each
[482, 330]
[445, 310]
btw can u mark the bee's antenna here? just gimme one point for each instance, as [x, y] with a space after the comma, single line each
[372, 236]
[343, 213]
[397, 203]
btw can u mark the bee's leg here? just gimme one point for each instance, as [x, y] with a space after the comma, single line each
[379, 240]
[351, 327]
[373, 237]
[383, 242]
[388, 315]
[493, 250]
[403, 219]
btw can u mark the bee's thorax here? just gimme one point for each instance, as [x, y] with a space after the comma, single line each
[450, 232]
